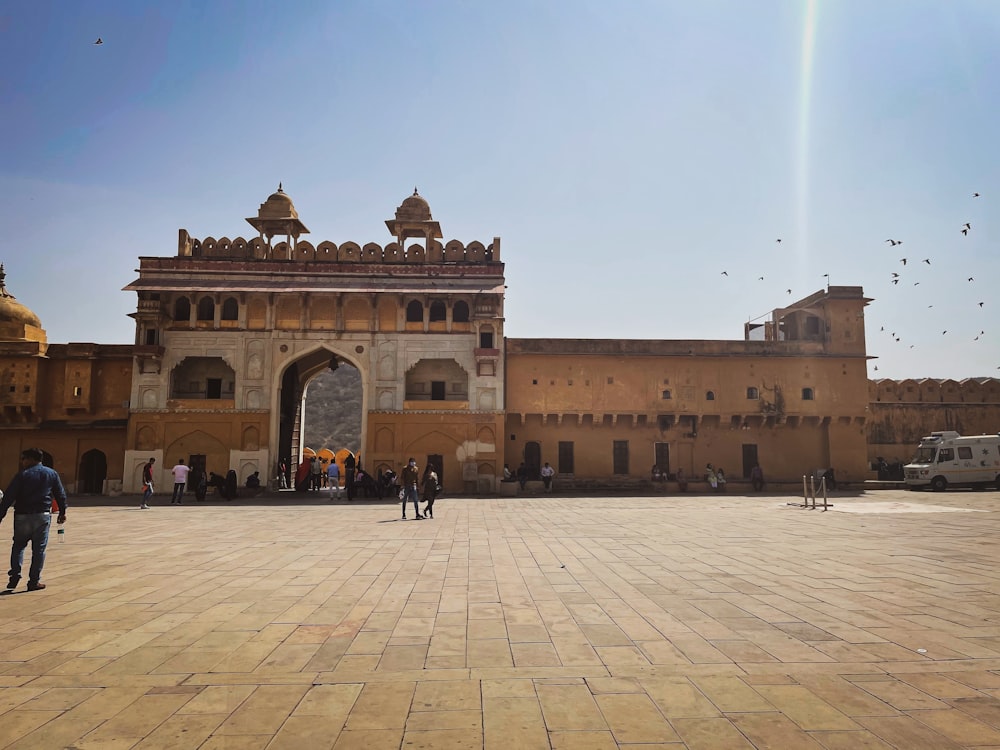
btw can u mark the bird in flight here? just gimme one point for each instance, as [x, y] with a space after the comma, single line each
[916, 283]
[789, 291]
[895, 275]
[943, 332]
[971, 279]
[893, 243]
[980, 304]
[895, 281]
[965, 230]
[725, 273]
[927, 261]
[760, 278]
[99, 41]
[903, 261]
[778, 240]
[975, 195]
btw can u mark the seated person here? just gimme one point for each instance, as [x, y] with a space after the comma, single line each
[253, 481]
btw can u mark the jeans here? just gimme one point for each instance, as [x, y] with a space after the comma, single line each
[147, 493]
[34, 528]
[410, 493]
[178, 492]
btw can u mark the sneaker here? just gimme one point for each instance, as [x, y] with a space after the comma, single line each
[13, 581]
[143, 507]
[36, 586]
[420, 518]
[403, 518]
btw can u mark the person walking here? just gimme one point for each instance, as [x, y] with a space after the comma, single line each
[410, 479]
[147, 483]
[757, 478]
[180, 472]
[333, 477]
[31, 492]
[430, 489]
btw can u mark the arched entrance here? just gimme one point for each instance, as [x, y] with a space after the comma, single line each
[93, 472]
[295, 382]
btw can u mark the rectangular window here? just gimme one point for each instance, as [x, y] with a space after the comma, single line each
[965, 452]
[77, 390]
[565, 457]
[151, 336]
[486, 339]
[807, 394]
[486, 369]
[213, 388]
[946, 454]
[620, 457]
[437, 390]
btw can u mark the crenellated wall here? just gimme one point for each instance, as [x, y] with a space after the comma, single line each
[903, 411]
[257, 248]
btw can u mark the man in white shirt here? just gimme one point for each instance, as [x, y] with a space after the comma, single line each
[547, 473]
[180, 472]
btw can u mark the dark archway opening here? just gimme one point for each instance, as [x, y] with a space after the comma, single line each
[93, 472]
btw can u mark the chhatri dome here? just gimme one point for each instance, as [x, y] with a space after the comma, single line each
[413, 219]
[277, 216]
[17, 322]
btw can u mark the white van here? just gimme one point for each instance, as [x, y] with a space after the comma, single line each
[947, 459]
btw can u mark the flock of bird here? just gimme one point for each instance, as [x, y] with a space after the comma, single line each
[898, 276]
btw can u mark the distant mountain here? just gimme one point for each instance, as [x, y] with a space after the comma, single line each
[333, 410]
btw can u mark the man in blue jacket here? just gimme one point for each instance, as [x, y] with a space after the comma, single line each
[31, 492]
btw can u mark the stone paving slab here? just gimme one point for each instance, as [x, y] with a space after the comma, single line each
[554, 622]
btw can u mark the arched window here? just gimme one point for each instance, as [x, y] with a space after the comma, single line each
[752, 393]
[414, 312]
[665, 395]
[206, 308]
[460, 313]
[807, 394]
[182, 309]
[438, 311]
[710, 395]
[230, 309]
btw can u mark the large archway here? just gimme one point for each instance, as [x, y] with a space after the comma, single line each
[333, 406]
[295, 383]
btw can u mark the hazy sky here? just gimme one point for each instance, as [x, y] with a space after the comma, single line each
[626, 153]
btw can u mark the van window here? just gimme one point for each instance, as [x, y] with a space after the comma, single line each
[946, 454]
[965, 452]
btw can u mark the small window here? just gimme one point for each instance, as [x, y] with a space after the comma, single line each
[946, 454]
[965, 452]
[151, 336]
[460, 312]
[665, 395]
[206, 308]
[807, 394]
[414, 312]
[485, 339]
[710, 395]
[230, 309]
[534, 382]
[611, 380]
[27, 389]
[438, 311]
[437, 390]
[182, 310]
[752, 393]
[77, 391]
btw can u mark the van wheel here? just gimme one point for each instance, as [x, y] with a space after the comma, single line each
[939, 484]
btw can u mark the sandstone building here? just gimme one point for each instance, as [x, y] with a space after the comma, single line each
[229, 332]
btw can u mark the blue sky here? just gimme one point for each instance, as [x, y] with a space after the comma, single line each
[626, 154]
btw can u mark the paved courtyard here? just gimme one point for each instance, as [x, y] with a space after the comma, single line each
[568, 623]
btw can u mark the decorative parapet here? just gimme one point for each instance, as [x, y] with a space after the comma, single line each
[241, 249]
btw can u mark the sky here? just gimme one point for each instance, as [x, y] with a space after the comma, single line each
[639, 160]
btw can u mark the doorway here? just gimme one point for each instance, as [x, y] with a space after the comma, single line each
[749, 458]
[93, 472]
[532, 459]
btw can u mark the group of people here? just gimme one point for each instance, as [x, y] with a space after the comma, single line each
[185, 476]
[715, 476]
[412, 484]
[547, 474]
[313, 476]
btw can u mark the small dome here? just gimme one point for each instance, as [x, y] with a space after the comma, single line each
[414, 208]
[12, 311]
[278, 206]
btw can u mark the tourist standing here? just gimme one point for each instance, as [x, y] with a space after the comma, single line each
[410, 479]
[147, 483]
[350, 463]
[31, 492]
[333, 477]
[180, 472]
[547, 473]
[757, 478]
